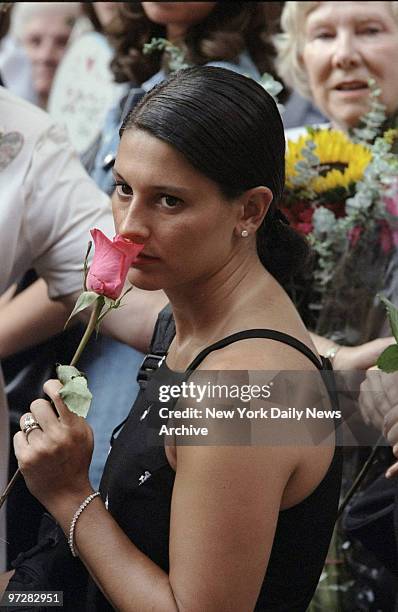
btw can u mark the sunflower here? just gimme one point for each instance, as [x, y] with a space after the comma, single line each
[341, 162]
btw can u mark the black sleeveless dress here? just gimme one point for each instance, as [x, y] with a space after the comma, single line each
[137, 487]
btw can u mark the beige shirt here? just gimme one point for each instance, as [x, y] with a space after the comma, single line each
[48, 206]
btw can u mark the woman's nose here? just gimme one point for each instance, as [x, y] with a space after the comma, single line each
[133, 223]
[346, 52]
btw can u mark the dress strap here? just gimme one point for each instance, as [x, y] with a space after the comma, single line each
[270, 334]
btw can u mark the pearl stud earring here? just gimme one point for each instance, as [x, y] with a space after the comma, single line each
[244, 233]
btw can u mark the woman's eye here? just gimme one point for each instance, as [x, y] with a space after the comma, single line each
[370, 31]
[169, 201]
[323, 35]
[122, 189]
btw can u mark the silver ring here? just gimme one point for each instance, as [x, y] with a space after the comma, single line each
[27, 430]
[30, 423]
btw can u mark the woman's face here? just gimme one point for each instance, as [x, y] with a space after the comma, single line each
[105, 11]
[345, 44]
[177, 16]
[185, 223]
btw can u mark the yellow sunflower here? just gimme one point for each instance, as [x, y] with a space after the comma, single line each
[342, 162]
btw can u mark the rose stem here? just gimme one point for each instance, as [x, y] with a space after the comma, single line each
[86, 336]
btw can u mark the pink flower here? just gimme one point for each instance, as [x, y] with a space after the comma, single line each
[111, 262]
[391, 201]
[387, 236]
[354, 235]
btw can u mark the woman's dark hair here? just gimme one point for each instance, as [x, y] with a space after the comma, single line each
[230, 28]
[229, 128]
[88, 9]
[5, 18]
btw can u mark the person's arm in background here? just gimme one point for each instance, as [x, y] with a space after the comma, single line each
[30, 318]
[359, 357]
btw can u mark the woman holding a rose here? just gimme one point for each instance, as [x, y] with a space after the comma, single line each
[190, 526]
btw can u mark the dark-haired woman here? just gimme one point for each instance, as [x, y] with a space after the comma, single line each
[227, 34]
[196, 527]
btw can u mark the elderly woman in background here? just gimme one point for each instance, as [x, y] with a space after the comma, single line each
[43, 29]
[329, 51]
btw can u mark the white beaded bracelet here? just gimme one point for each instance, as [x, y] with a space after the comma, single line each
[74, 521]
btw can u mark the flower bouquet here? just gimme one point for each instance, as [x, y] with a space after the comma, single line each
[342, 194]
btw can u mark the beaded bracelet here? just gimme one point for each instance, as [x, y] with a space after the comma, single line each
[74, 521]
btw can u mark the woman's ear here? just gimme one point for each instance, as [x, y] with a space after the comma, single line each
[254, 206]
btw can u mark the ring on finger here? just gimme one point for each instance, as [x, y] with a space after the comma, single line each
[29, 423]
[27, 430]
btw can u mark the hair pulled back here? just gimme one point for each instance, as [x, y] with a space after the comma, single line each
[229, 128]
[229, 29]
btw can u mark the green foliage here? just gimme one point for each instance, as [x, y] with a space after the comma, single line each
[85, 299]
[75, 392]
[392, 313]
[175, 54]
[388, 360]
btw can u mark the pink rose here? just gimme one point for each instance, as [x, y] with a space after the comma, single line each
[111, 262]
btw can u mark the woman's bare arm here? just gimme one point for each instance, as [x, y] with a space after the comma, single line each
[359, 357]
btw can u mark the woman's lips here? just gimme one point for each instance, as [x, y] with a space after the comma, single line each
[143, 258]
[351, 85]
[352, 88]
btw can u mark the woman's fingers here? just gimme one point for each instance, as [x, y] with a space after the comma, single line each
[391, 426]
[20, 443]
[52, 388]
[392, 470]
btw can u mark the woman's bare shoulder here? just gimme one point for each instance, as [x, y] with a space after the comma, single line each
[258, 354]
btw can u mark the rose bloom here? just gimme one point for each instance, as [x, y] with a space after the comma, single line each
[111, 262]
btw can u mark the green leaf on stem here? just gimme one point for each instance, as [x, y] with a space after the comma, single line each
[75, 392]
[392, 312]
[388, 360]
[85, 299]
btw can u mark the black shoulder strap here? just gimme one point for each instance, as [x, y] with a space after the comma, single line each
[270, 334]
[163, 334]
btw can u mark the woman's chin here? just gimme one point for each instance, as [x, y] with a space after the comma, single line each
[349, 118]
[143, 281]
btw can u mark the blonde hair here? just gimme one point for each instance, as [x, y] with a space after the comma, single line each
[289, 44]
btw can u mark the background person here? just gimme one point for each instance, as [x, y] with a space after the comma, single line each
[43, 29]
[328, 51]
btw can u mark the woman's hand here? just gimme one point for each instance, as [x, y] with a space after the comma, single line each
[54, 460]
[361, 357]
[378, 403]
[377, 398]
